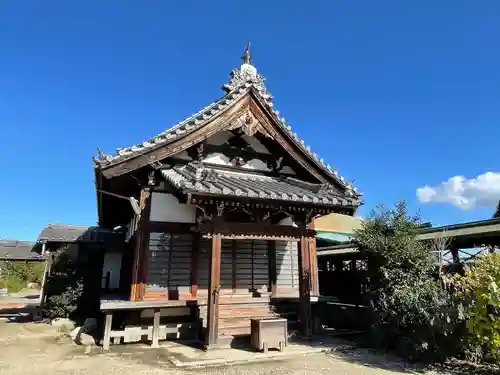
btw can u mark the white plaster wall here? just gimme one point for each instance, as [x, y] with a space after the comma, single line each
[220, 159]
[113, 265]
[217, 158]
[166, 207]
[256, 144]
[287, 221]
[256, 164]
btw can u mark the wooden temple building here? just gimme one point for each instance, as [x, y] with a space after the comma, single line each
[218, 211]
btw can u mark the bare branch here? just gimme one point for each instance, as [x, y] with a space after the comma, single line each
[442, 242]
[439, 245]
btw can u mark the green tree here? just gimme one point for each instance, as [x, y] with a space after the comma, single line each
[480, 290]
[16, 275]
[28, 272]
[411, 313]
[496, 214]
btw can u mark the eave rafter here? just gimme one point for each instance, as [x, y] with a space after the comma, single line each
[290, 208]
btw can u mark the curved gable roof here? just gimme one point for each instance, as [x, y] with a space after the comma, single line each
[243, 80]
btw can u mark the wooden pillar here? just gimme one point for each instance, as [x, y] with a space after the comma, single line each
[212, 332]
[107, 330]
[273, 273]
[313, 262]
[141, 248]
[233, 270]
[195, 265]
[305, 313]
[46, 273]
[156, 328]
[314, 266]
[144, 250]
[136, 264]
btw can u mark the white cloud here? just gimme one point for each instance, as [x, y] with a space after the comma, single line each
[482, 191]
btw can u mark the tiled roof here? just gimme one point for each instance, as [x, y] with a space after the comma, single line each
[74, 233]
[242, 80]
[190, 179]
[18, 250]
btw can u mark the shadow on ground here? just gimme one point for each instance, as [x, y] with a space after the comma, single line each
[375, 359]
[456, 367]
[57, 347]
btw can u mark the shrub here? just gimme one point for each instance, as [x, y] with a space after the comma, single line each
[63, 288]
[65, 304]
[411, 313]
[479, 289]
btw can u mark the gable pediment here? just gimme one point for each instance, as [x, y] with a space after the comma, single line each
[246, 115]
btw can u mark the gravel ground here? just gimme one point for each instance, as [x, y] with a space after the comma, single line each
[33, 349]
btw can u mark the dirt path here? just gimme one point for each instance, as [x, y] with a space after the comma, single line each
[36, 349]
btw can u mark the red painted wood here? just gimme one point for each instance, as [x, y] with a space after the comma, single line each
[195, 276]
[305, 313]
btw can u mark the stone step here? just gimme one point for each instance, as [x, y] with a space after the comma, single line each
[242, 322]
[239, 307]
[245, 314]
[229, 321]
[234, 331]
[236, 300]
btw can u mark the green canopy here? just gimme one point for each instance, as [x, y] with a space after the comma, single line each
[339, 237]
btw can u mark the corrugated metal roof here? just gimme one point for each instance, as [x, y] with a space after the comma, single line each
[75, 233]
[63, 233]
[334, 236]
[344, 248]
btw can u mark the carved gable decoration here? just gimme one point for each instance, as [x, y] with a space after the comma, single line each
[249, 125]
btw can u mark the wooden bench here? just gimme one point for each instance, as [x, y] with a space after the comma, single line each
[136, 332]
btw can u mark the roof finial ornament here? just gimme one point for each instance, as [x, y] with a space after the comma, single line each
[247, 59]
[246, 75]
[101, 154]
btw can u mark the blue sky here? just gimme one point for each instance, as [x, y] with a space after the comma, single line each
[396, 94]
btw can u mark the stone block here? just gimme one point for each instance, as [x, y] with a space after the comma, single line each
[63, 324]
